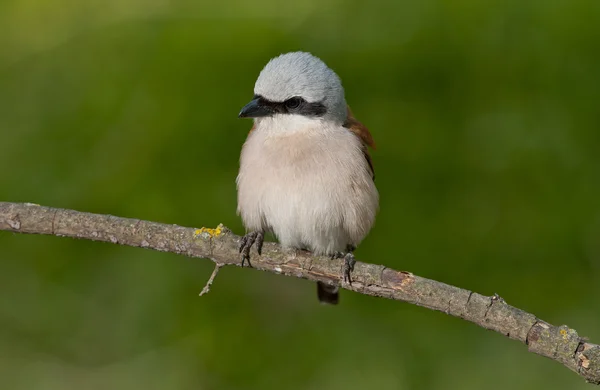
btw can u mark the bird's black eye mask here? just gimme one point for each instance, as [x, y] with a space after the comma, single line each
[295, 105]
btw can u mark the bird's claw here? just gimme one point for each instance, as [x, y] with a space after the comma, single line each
[349, 262]
[337, 255]
[246, 243]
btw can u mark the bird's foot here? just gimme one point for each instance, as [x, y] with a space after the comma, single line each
[246, 243]
[349, 262]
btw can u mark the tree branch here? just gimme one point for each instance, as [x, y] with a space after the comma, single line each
[562, 343]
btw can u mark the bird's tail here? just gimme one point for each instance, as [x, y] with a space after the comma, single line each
[327, 293]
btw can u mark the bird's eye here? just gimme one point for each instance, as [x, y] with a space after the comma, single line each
[293, 103]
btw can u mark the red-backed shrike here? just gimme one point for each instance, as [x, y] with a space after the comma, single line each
[305, 170]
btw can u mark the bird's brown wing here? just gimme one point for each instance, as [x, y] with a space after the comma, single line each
[362, 132]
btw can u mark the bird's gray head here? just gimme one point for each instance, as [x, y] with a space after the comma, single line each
[297, 83]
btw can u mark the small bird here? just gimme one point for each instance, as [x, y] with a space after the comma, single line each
[305, 170]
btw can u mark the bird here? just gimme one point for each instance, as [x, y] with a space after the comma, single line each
[305, 172]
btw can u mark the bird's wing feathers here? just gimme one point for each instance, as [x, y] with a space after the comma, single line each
[362, 132]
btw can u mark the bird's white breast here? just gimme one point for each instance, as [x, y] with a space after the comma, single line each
[308, 182]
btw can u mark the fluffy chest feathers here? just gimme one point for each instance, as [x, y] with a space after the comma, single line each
[307, 182]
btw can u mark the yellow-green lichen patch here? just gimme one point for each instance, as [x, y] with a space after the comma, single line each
[208, 232]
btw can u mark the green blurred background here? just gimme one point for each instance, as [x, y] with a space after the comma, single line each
[488, 129]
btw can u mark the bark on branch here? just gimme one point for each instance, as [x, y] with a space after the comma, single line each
[561, 343]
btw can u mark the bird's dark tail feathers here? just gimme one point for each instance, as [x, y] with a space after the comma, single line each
[327, 293]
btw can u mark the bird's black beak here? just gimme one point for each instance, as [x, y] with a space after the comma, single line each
[255, 109]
